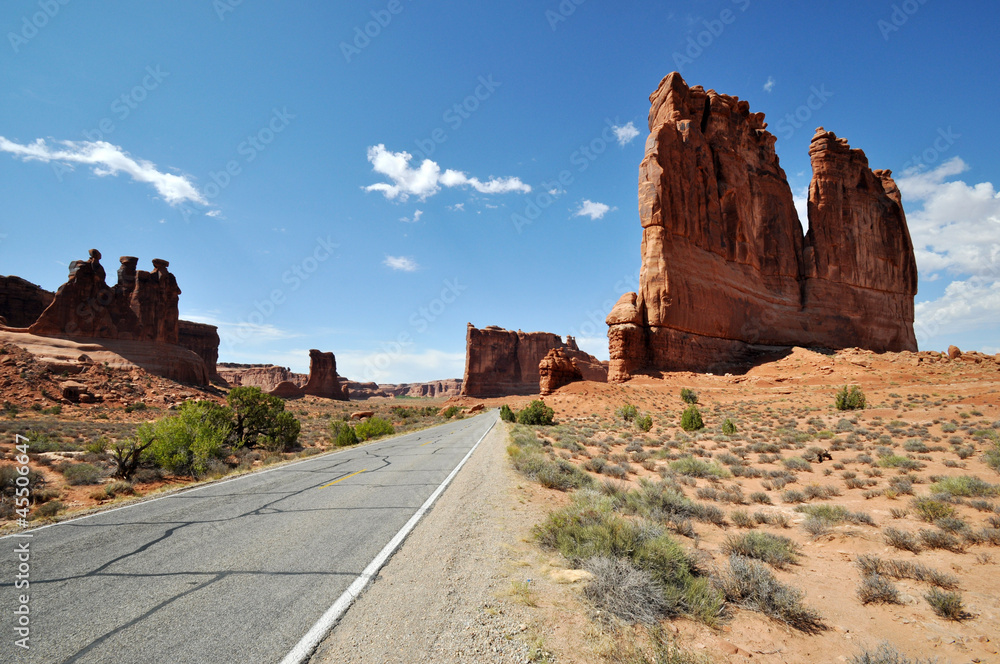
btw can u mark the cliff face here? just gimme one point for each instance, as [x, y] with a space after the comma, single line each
[203, 340]
[22, 302]
[501, 362]
[725, 265]
[266, 377]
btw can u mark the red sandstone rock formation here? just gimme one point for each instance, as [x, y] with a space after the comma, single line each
[265, 376]
[203, 340]
[501, 362]
[436, 389]
[323, 381]
[287, 390]
[557, 369]
[725, 266]
[22, 302]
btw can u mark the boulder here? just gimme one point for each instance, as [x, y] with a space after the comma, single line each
[954, 352]
[726, 270]
[362, 414]
[287, 390]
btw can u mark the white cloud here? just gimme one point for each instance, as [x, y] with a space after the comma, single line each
[401, 263]
[593, 210]
[213, 213]
[242, 332]
[107, 159]
[770, 84]
[415, 219]
[965, 306]
[625, 134]
[428, 179]
[958, 228]
[457, 207]
[402, 367]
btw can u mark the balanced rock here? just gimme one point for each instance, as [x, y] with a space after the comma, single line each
[954, 352]
[726, 268]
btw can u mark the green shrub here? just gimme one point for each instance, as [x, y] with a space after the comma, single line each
[183, 443]
[965, 486]
[254, 417]
[343, 434]
[537, 413]
[374, 427]
[774, 550]
[450, 412]
[728, 427]
[627, 412]
[689, 396]
[506, 414]
[931, 510]
[528, 458]
[691, 419]
[850, 398]
[644, 422]
[137, 406]
[692, 467]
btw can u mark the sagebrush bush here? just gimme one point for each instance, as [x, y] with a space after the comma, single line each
[931, 510]
[850, 398]
[688, 465]
[902, 540]
[625, 591]
[774, 550]
[965, 486]
[947, 604]
[902, 569]
[691, 419]
[876, 589]
[751, 585]
[82, 473]
[886, 654]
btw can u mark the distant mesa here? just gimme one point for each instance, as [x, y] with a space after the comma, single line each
[726, 270]
[137, 318]
[501, 362]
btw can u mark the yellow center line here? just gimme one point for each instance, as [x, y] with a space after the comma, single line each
[343, 478]
[432, 440]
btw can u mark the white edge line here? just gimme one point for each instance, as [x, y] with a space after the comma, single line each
[183, 491]
[304, 648]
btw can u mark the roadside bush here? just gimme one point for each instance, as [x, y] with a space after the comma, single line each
[850, 398]
[450, 412]
[625, 591]
[536, 413]
[750, 585]
[691, 419]
[49, 509]
[254, 417]
[343, 434]
[529, 458]
[183, 443]
[374, 427]
[506, 414]
[82, 473]
[689, 396]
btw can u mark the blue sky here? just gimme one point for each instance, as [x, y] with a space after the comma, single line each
[241, 142]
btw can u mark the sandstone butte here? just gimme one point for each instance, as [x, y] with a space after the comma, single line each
[726, 269]
[269, 378]
[136, 318]
[501, 362]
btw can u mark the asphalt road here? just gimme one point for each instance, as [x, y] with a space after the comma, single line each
[237, 571]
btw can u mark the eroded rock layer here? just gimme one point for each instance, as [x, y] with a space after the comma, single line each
[501, 362]
[22, 302]
[725, 266]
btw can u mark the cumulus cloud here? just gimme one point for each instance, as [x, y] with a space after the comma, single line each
[967, 305]
[625, 134]
[770, 84]
[958, 228]
[402, 263]
[414, 219]
[593, 210]
[427, 179]
[107, 159]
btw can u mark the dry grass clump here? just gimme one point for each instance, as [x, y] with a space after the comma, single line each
[901, 569]
[947, 604]
[751, 585]
[886, 654]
